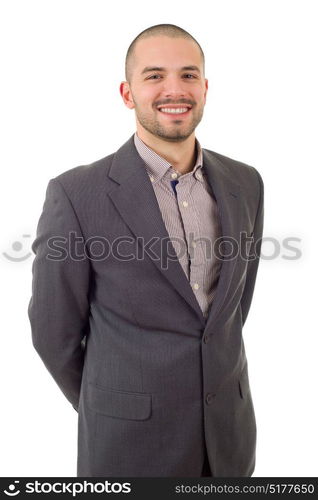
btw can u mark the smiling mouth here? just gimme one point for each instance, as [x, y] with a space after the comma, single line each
[176, 111]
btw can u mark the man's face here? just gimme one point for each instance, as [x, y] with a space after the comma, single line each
[167, 77]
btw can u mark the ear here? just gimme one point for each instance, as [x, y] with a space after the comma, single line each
[126, 95]
[206, 89]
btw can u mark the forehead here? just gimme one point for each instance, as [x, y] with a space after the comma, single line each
[166, 51]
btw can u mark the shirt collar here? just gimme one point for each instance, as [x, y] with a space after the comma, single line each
[157, 167]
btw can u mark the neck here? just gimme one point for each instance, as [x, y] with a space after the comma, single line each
[181, 155]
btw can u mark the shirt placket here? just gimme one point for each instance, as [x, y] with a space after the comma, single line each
[190, 223]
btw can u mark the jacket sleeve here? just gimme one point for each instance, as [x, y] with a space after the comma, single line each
[59, 307]
[254, 254]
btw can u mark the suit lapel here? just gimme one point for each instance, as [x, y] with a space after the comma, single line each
[135, 200]
[227, 195]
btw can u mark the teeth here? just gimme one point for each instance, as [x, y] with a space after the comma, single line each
[174, 110]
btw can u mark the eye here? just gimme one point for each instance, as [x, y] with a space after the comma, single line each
[188, 76]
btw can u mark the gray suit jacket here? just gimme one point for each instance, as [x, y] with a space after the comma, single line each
[118, 326]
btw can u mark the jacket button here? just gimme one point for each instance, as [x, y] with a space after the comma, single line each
[208, 398]
[205, 338]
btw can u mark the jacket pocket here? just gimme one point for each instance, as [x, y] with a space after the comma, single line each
[119, 404]
[244, 385]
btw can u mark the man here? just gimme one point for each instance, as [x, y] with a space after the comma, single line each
[141, 285]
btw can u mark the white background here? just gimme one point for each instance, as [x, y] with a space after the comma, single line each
[61, 65]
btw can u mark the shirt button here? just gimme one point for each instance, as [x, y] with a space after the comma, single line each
[174, 175]
[194, 244]
[199, 176]
[152, 178]
[185, 203]
[205, 338]
[196, 286]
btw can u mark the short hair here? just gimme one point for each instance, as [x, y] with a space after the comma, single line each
[170, 30]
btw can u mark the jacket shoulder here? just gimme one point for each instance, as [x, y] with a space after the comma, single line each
[242, 173]
[78, 178]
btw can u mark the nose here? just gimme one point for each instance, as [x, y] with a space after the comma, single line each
[173, 87]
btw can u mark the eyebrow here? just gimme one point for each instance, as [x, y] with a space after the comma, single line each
[148, 69]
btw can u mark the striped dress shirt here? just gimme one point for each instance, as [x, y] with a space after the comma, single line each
[190, 214]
